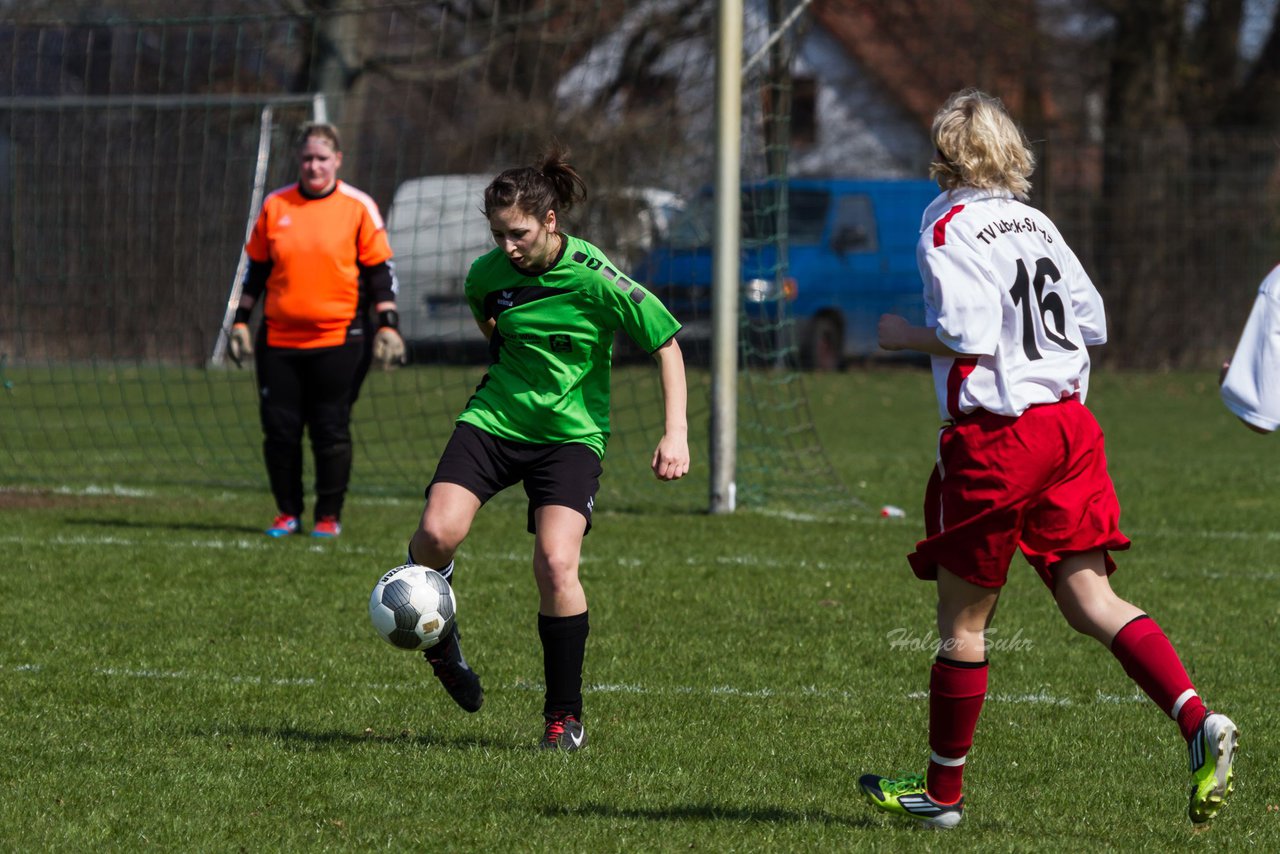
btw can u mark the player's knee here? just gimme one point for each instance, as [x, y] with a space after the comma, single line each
[962, 644]
[435, 541]
[282, 424]
[1085, 618]
[1076, 618]
[334, 449]
[555, 571]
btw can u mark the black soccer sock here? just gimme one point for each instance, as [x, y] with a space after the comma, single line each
[446, 572]
[564, 645]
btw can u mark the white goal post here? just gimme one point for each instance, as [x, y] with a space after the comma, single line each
[118, 342]
[319, 113]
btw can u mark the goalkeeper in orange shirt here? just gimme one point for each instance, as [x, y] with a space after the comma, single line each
[318, 256]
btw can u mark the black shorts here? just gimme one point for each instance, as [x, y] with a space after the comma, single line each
[565, 474]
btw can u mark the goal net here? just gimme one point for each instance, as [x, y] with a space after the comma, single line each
[131, 151]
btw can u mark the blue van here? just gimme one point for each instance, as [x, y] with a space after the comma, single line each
[850, 258]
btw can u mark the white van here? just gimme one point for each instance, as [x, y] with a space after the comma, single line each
[626, 222]
[436, 228]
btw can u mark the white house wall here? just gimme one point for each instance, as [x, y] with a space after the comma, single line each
[860, 131]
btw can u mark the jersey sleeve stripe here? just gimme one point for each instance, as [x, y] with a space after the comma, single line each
[365, 199]
[940, 227]
[960, 370]
[280, 191]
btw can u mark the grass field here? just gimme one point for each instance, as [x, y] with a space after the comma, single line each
[172, 679]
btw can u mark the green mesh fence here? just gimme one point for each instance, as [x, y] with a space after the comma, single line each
[130, 146]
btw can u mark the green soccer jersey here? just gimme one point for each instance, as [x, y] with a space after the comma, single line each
[551, 349]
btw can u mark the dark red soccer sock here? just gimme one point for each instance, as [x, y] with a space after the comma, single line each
[956, 692]
[1150, 660]
[564, 645]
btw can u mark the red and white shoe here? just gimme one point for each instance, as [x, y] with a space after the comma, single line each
[326, 526]
[284, 525]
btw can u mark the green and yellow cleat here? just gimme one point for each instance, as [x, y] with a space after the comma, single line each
[908, 797]
[1211, 751]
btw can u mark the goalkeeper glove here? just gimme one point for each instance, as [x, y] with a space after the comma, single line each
[239, 344]
[388, 348]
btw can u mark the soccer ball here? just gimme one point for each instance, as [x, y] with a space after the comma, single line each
[412, 607]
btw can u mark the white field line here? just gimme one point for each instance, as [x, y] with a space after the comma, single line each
[868, 517]
[262, 544]
[113, 490]
[121, 491]
[1038, 698]
[238, 543]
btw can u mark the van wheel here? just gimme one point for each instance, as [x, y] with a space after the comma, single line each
[823, 349]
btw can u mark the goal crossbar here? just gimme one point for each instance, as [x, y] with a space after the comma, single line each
[172, 102]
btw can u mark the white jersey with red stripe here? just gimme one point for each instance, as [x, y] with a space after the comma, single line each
[1251, 388]
[1003, 289]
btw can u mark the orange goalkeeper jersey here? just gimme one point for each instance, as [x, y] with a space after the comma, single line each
[315, 248]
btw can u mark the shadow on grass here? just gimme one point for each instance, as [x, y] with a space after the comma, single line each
[296, 738]
[117, 524]
[708, 812]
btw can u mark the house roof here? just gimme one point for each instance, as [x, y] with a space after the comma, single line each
[921, 51]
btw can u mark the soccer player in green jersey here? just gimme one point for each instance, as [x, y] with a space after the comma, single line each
[549, 303]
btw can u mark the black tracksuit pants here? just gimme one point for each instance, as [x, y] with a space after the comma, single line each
[314, 389]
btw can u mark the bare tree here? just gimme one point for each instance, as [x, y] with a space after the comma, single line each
[1156, 136]
[1187, 225]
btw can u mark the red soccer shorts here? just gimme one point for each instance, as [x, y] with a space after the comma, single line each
[1038, 482]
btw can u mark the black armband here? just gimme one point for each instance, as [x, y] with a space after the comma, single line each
[389, 319]
[379, 281]
[255, 278]
[242, 315]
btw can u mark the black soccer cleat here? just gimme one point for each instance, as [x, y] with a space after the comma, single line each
[457, 677]
[563, 732]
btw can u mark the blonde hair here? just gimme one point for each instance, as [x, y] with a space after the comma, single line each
[980, 146]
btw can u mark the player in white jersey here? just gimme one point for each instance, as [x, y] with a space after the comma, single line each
[1251, 380]
[1003, 285]
[1020, 466]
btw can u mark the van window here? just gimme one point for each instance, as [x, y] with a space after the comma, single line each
[436, 229]
[693, 229]
[625, 222]
[854, 229]
[806, 216]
